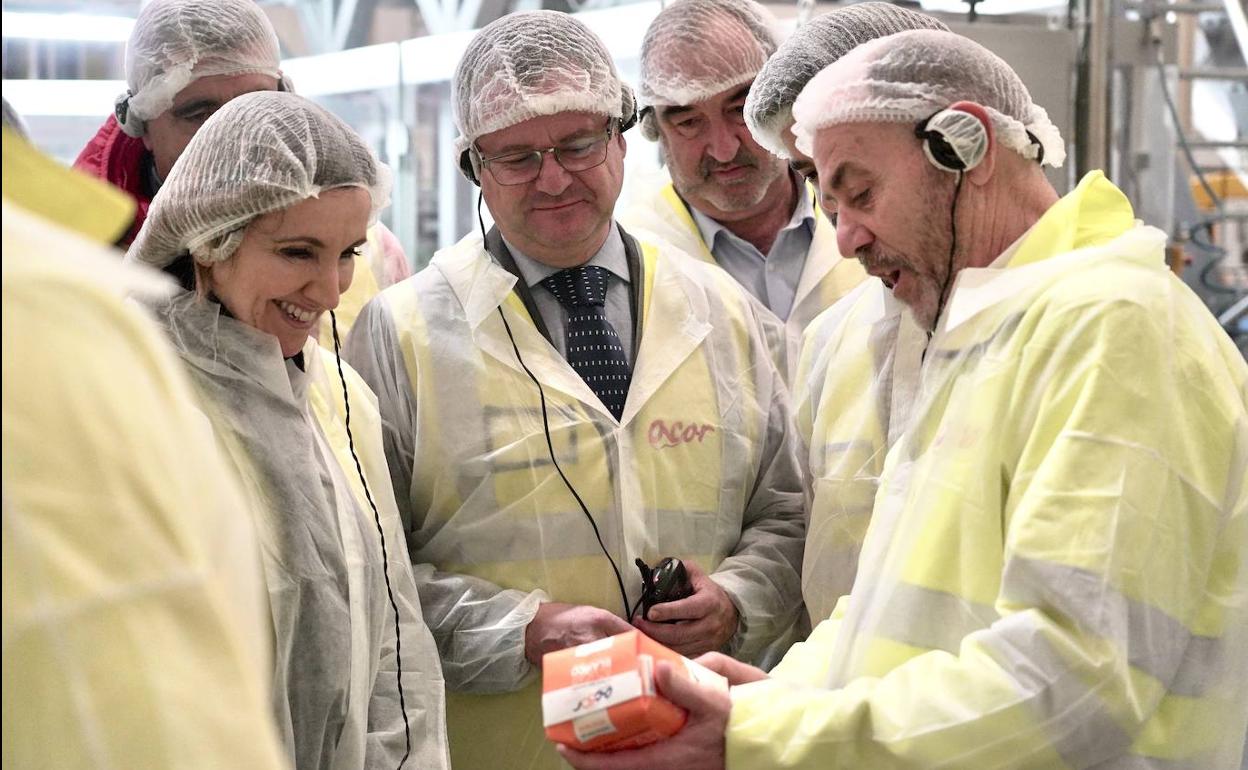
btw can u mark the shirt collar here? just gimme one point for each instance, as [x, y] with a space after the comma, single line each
[803, 215]
[610, 256]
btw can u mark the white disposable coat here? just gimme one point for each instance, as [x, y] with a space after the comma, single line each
[703, 465]
[335, 689]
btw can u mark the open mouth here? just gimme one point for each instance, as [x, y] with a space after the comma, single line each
[890, 279]
[295, 314]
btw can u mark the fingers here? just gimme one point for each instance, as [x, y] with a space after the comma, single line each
[734, 671]
[610, 624]
[680, 689]
[699, 605]
[687, 638]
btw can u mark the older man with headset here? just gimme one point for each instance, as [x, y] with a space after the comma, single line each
[1054, 574]
[562, 399]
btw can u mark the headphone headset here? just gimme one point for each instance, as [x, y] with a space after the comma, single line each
[953, 140]
[470, 158]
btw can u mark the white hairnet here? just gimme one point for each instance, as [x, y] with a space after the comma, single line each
[813, 46]
[530, 64]
[261, 152]
[911, 75]
[176, 41]
[696, 48]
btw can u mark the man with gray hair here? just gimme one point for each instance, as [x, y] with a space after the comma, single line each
[858, 367]
[1054, 575]
[730, 202]
[561, 399]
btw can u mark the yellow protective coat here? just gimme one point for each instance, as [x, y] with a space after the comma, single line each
[135, 633]
[857, 376]
[703, 466]
[1054, 571]
[826, 276]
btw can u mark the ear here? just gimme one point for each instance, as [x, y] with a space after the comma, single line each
[983, 172]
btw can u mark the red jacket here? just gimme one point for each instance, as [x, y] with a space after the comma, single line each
[117, 158]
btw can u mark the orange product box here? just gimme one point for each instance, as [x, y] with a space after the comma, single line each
[601, 696]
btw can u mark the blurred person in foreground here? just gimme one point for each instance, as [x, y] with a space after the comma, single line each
[134, 626]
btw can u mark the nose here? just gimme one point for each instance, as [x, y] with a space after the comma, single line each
[722, 141]
[332, 278]
[552, 178]
[851, 236]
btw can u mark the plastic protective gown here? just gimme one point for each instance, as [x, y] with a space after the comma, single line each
[135, 634]
[857, 376]
[1054, 572]
[334, 675]
[660, 213]
[703, 466]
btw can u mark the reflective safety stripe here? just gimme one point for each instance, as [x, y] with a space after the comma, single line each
[1161, 646]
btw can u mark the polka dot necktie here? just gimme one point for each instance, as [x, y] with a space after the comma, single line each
[593, 346]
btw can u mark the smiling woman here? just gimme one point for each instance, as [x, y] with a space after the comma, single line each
[260, 221]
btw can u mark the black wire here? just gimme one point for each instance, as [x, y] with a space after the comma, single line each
[550, 446]
[385, 560]
[953, 245]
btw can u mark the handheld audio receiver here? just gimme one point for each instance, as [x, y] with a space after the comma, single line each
[668, 582]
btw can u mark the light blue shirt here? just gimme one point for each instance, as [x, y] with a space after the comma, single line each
[772, 278]
[618, 305]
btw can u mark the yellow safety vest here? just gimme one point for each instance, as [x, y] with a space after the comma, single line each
[677, 476]
[1054, 572]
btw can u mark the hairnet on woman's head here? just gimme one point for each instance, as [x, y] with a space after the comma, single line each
[261, 152]
[909, 76]
[696, 48]
[526, 65]
[177, 41]
[813, 46]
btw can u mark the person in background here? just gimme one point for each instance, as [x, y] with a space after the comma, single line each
[135, 633]
[260, 220]
[730, 201]
[184, 60]
[1054, 575]
[858, 369]
[561, 399]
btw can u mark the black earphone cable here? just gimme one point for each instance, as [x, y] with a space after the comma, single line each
[550, 444]
[385, 559]
[953, 245]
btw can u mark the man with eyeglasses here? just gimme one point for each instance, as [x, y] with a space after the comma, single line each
[730, 201]
[561, 399]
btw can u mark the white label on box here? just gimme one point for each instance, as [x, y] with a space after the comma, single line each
[591, 726]
[590, 697]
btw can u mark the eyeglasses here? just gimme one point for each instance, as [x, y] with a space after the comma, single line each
[522, 167]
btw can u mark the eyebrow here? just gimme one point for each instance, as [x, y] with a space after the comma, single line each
[302, 239]
[741, 92]
[195, 106]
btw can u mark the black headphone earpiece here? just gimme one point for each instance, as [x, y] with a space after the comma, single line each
[628, 109]
[953, 140]
[468, 168]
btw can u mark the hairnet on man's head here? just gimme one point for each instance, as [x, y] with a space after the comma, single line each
[261, 152]
[526, 65]
[177, 41]
[909, 76]
[813, 46]
[696, 48]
